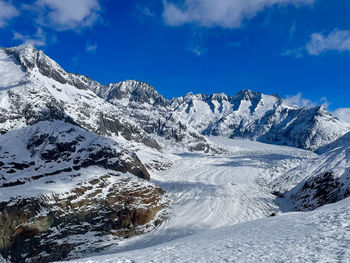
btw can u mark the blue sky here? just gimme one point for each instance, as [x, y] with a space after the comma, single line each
[299, 49]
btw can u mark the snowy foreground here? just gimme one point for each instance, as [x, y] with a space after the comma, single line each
[214, 197]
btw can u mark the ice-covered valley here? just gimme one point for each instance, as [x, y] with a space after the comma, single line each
[224, 208]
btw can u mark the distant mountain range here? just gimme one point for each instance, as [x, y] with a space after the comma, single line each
[137, 112]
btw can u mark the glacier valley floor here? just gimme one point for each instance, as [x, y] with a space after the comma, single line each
[221, 209]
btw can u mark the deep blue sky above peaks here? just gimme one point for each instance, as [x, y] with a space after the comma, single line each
[299, 49]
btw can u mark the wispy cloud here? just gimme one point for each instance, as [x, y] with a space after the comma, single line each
[197, 50]
[218, 13]
[7, 12]
[49, 16]
[292, 30]
[338, 40]
[297, 53]
[145, 11]
[39, 39]
[197, 43]
[68, 15]
[343, 114]
[299, 101]
[91, 47]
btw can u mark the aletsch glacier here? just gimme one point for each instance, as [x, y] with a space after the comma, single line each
[84, 167]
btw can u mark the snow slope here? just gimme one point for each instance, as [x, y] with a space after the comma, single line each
[11, 74]
[322, 235]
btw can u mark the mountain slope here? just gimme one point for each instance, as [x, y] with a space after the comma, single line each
[213, 197]
[140, 114]
[319, 180]
[341, 142]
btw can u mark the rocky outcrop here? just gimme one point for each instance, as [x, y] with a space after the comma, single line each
[321, 190]
[58, 226]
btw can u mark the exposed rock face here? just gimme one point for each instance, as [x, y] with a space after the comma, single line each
[319, 191]
[47, 144]
[70, 182]
[56, 226]
[65, 191]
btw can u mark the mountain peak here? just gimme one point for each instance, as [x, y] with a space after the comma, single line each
[131, 91]
[247, 94]
[24, 48]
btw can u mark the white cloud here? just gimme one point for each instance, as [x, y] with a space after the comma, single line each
[338, 40]
[68, 14]
[39, 39]
[300, 101]
[91, 48]
[343, 114]
[7, 12]
[222, 13]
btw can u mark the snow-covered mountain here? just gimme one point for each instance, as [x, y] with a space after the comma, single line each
[260, 117]
[136, 112]
[69, 175]
[34, 88]
[145, 106]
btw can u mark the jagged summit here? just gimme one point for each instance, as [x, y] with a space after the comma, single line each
[131, 91]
